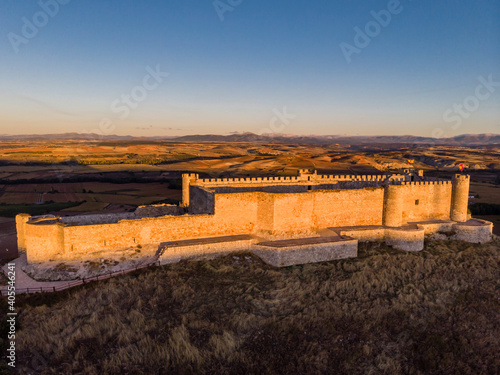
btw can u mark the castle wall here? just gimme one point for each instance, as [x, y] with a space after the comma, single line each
[364, 234]
[310, 253]
[235, 214]
[293, 213]
[44, 242]
[292, 188]
[302, 179]
[98, 218]
[425, 201]
[159, 210]
[176, 252]
[265, 214]
[405, 239]
[268, 189]
[130, 233]
[237, 211]
[340, 208]
[433, 228]
[202, 201]
[478, 231]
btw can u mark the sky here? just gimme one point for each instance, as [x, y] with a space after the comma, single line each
[322, 67]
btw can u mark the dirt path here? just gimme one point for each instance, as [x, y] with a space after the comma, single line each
[26, 284]
[23, 281]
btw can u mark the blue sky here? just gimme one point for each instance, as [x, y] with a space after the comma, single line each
[234, 66]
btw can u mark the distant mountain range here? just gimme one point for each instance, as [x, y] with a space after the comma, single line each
[460, 140]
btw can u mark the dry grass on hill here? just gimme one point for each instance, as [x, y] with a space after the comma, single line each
[434, 312]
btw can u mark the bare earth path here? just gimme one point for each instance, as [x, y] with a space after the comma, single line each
[23, 281]
[25, 284]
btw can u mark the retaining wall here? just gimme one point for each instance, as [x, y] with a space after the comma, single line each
[474, 231]
[405, 239]
[174, 252]
[312, 253]
[159, 210]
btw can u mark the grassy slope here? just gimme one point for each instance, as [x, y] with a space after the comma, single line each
[435, 312]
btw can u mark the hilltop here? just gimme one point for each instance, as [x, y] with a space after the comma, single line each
[433, 312]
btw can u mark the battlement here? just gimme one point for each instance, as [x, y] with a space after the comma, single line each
[426, 183]
[301, 178]
[461, 177]
[305, 179]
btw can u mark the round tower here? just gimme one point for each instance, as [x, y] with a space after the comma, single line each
[393, 206]
[460, 198]
[21, 221]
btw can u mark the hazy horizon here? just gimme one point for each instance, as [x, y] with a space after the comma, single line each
[171, 69]
[286, 135]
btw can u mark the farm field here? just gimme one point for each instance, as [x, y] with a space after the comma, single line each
[488, 193]
[56, 159]
[131, 194]
[126, 174]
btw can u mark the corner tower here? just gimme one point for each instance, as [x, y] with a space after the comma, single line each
[21, 221]
[187, 179]
[393, 206]
[460, 198]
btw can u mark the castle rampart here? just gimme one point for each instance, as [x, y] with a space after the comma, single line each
[280, 207]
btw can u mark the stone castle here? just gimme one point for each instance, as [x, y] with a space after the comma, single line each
[284, 220]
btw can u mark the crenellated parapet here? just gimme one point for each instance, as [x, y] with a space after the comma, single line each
[426, 183]
[303, 176]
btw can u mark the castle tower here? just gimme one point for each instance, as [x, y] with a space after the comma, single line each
[187, 179]
[21, 221]
[307, 175]
[460, 198]
[393, 206]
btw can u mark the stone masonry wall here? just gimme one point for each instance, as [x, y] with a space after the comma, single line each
[426, 201]
[159, 210]
[201, 201]
[340, 208]
[235, 213]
